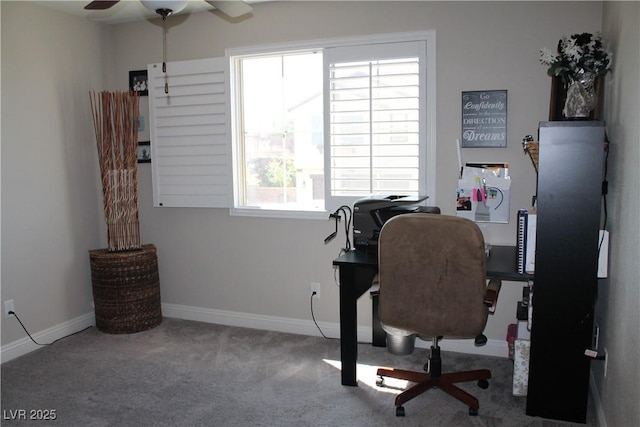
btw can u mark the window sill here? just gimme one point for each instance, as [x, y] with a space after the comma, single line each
[275, 213]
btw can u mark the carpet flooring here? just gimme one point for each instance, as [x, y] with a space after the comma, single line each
[185, 373]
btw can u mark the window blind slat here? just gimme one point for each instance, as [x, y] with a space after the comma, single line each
[190, 155]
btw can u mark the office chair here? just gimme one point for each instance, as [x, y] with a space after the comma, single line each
[433, 284]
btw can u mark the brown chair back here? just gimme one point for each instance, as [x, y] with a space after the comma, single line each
[432, 276]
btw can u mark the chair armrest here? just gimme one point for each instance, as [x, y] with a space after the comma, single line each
[375, 286]
[491, 295]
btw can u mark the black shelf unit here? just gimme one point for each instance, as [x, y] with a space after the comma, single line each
[570, 176]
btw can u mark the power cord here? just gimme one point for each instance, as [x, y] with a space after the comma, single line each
[314, 318]
[345, 212]
[318, 326]
[51, 343]
[496, 189]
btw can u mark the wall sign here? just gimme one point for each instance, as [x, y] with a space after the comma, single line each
[484, 118]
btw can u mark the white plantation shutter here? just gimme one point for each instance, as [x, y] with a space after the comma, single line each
[190, 149]
[377, 124]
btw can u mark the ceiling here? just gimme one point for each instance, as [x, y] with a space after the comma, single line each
[124, 11]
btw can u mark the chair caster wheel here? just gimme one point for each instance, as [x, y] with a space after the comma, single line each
[483, 384]
[380, 382]
[399, 411]
[473, 412]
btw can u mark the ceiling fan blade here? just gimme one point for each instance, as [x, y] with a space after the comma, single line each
[231, 8]
[100, 5]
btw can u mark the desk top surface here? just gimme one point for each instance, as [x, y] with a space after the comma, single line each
[500, 264]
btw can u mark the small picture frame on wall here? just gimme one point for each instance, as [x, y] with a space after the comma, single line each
[138, 82]
[144, 152]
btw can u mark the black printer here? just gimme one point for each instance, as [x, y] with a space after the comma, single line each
[370, 214]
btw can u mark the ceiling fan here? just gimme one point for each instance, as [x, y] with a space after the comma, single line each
[231, 8]
[166, 8]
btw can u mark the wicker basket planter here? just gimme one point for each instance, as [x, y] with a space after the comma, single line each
[126, 290]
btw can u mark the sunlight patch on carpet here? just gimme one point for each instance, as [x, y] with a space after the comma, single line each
[366, 374]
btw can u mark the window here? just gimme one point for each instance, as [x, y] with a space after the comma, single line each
[279, 132]
[318, 125]
[296, 130]
[310, 126]
[376, 131]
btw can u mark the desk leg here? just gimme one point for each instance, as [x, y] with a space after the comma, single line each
[348, 325]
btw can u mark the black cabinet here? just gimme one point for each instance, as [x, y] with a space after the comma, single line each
[570, 175]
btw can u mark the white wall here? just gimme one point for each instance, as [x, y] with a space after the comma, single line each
[207, 258]
[619, 299]
[263, 266]
[51, 202]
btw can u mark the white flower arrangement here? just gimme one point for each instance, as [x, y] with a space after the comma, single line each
[576, 55]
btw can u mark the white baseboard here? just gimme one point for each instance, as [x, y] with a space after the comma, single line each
[307, 327]
[246, 320]
[255, 321]
[25, 345]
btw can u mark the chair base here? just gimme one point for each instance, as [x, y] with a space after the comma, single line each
[434, 378]
[445, 382]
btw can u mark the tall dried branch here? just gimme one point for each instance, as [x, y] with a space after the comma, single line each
[115, 119]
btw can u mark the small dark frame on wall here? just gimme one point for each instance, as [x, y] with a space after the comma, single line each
[484, 119]
[139, 82]
[144, 152]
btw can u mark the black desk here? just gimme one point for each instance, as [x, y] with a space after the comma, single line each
[357, 270]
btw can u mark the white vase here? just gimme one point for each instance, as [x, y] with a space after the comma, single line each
[581, 97]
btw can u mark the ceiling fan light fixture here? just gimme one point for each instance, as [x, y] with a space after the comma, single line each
[165, 7]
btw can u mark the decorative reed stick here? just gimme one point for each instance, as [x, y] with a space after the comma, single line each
[115, 119]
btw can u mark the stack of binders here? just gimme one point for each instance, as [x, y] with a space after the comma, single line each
[526, 240]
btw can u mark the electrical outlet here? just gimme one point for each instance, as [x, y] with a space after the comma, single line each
[8, 306]
[315, 287]
[606, 361]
